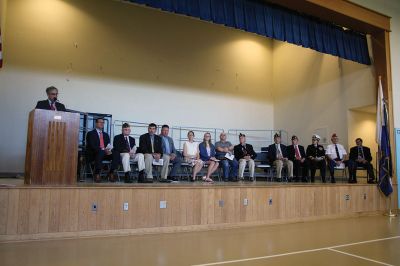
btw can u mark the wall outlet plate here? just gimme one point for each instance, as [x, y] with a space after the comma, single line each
[94, 207]
[270, 201]
[246, 202]
[221, 203]
[163, 204]
[125, 206]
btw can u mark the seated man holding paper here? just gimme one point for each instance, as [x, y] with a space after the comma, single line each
[229, 164]
[125, 150]
[315, 154]
[170, 155]
[98, 149]
[150, 145]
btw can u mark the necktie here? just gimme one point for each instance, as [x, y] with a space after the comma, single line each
[127, 144]
[298, 156]
[278, 150]
[360, 153]
[101, 140]
[152, 144]
[52, 106]
[337, 152]
[167, 147]
[244, 150]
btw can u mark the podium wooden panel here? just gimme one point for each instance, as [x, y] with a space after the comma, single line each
[51, 148]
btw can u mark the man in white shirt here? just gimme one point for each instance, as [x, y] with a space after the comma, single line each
[337, 156]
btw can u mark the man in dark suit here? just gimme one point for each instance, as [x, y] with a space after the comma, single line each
[360, 156]
[125, 150]
[245, 154]
[278, 157]
[315, 154]
[51, 103]
[297, 155]
[98, 149]
[150, 145]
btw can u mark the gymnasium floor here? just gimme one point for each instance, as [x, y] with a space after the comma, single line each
[372, 240]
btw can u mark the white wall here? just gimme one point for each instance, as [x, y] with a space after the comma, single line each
[136, 63]
[145, 65]
[360, 125]
[390, 8]
[313, 92]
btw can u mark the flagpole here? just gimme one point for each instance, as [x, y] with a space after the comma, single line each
[381, 139]
[390, 213]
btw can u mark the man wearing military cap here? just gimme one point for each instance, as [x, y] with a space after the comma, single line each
[337, 156]
[315, 154]
[277, 155]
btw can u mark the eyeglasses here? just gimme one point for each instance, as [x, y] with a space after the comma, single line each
[54, 93]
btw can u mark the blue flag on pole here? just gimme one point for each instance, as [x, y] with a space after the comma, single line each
[382, 138]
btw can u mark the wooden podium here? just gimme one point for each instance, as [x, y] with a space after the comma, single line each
[52, 148]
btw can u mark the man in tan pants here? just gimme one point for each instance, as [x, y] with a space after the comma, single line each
[169, 156]
[277, 155]
[245, 153]
[150, 145]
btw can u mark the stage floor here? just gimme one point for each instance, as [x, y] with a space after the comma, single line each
[373, 240]
[19, 182]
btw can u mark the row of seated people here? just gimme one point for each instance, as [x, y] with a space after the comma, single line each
[153, 148]
[298, 161]
[160, 148]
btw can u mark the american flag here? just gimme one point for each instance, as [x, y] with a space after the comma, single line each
[1, 54]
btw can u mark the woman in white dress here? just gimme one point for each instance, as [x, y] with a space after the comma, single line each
[191, 154]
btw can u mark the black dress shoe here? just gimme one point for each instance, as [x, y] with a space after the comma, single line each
[333, 181]
[128, 179]
[233, 180]
[173, 179]
[97, 178]
[145, 180]
[279, 180]
[141, 175]
[165, 181]
[371, 181]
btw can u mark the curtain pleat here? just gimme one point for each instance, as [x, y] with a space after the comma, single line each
[273, 22]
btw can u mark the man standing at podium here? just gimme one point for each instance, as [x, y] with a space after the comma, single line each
[98, 149]
[51, 103]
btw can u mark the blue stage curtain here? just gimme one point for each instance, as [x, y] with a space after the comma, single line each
[273, 22]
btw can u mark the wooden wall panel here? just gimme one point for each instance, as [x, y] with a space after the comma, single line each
[3, 212]
[35, 212]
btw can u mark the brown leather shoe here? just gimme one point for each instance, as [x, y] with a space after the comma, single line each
[111, 177]
[97, 178]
